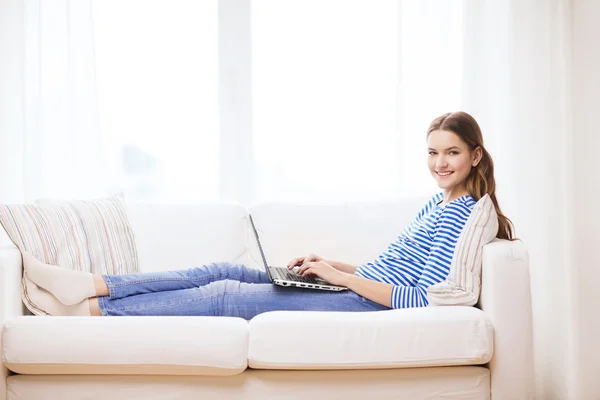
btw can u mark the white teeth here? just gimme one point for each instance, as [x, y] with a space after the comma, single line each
[444, 173]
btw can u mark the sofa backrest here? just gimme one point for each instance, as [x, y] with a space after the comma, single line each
[181, 236]
[353, 233]
[172, 237]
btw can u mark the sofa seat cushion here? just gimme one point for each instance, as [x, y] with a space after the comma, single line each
[403, 338]
[126, 345]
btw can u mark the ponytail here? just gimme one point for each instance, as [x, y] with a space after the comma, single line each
[481, 182]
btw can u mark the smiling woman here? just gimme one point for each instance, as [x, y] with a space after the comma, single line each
[398, 278]
[461, 165]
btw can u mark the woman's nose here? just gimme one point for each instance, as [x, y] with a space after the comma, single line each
[441, 162]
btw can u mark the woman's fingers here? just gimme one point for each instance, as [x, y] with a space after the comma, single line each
[307, 269]
[303, 268]
[295, 262]
[303, 260]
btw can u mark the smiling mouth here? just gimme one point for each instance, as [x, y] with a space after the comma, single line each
[444, 174]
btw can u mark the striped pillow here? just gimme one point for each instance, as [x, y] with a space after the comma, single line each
[463, 284]
[93, 236]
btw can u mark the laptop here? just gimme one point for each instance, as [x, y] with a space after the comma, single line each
[284, 277]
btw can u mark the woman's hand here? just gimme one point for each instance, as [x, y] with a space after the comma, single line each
[302, 260]
[324, 271]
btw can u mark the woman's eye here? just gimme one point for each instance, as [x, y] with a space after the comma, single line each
[453, 153]
[432, 153]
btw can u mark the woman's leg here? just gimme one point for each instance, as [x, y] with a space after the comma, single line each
[235, 299]
[121, 286]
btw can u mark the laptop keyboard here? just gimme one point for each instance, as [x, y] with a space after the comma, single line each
[284, 273]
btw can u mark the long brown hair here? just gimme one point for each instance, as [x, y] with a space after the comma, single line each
[481, 178]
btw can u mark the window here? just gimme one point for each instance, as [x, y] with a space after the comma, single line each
[157, 82]
[431, 81]
[342, 92]
[324, 98]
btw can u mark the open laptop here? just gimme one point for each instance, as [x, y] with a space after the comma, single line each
[284, 277]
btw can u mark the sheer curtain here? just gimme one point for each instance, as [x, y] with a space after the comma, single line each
[343, 92]
[517, 84]
[99, 100]
[50, 144]
[157, 77]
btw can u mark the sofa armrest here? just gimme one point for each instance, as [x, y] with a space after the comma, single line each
[506, 300]
[10, 297]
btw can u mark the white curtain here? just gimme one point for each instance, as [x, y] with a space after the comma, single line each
[50, 144]
[330, 114]
[158, 97]
[343, 92]
[519, 84]
[164, 112]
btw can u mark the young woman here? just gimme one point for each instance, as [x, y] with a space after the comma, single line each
[398, 278]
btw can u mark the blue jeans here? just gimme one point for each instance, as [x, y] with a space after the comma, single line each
[219, 289]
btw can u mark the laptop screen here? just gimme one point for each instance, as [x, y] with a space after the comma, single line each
[262, 254]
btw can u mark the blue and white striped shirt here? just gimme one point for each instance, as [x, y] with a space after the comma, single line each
[422, 254]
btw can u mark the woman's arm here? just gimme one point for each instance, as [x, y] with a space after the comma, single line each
[340, 266]
[375, 291]
[383, 293]
[387, 294]
[378, 292]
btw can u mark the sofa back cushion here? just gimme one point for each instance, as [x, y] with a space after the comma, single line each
[180, 236]
[353, 232]
[86, 235]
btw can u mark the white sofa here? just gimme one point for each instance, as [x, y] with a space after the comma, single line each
[426, 353]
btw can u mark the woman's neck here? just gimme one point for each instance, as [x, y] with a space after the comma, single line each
[453, 194]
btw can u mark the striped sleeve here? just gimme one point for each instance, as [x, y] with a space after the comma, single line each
[390, 264]
[437, 267]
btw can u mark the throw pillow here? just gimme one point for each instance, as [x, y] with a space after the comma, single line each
[463, 284]
[86, 235]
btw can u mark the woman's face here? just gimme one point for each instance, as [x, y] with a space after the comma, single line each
[450, 160]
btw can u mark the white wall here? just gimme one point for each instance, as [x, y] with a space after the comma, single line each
[586, 197]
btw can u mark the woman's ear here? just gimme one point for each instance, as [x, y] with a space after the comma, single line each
[477, 154]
